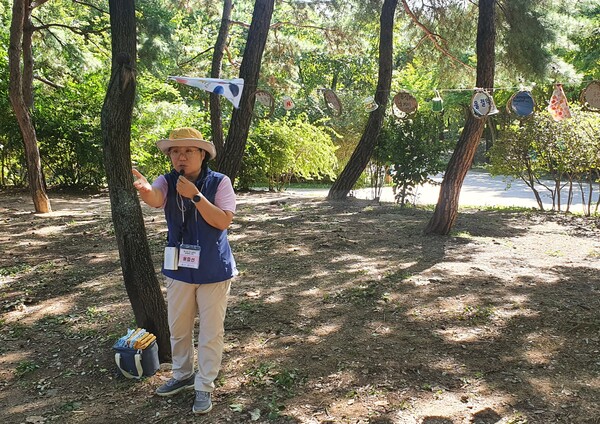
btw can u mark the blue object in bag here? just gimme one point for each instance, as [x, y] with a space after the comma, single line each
[135, 363]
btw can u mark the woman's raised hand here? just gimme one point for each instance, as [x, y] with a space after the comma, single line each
[141, 184]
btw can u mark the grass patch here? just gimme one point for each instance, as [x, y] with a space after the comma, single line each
[360, 295]
[25, 367]
[268, 374]
[462, 234]
[477, 314]
[277, 384]
[17, 331]
[12, 270]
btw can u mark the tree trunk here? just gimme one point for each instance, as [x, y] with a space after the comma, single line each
[446, 209]
[215, 72]
[21, 97]
[140, 279]
[361, 155]
[230, 161]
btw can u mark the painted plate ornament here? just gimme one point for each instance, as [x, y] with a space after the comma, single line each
[590, 96]
[405, 103]
[264, 104]
[332, 101]
[521, 104]
[482, 104]
[287, 103]
[559, 107]
[370, 104]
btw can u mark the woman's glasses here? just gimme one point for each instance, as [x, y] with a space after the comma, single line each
[177, 152]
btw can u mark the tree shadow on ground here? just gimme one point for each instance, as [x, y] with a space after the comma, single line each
[342, 311]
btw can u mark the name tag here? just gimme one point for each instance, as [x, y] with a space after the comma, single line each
[189, 256]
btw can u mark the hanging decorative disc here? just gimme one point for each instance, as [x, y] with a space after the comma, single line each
[405, 103]
[287, 103]
[264, 104]
[332, 101]
[482, 104]
[559, 105]
[370, 104]
[590, 96]
[521, 104]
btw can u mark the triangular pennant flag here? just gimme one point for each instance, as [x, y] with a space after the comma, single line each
[230, 89]
[558, 107]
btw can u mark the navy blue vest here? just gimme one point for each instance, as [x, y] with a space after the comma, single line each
[216, 260]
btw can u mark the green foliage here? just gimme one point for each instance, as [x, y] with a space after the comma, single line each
[566, 151]
[13, 269]
[524, 37]
[577, 25]
[280, 150]
[478, 314]
[68, 131]
[277, 384]
[314, 45]
[586, 57]
[25, 367]
[75, 42]
[414, 149]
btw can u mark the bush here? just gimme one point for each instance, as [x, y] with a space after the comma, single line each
[69, 134]
[413, 148]
[279, 150]
[566, 152]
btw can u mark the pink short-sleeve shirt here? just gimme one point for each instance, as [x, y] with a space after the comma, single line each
[224, 198]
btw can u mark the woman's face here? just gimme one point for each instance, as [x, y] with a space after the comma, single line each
[187, 159]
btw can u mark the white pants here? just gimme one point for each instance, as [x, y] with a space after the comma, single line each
[209, 301]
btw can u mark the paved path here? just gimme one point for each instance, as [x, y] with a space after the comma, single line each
[479, 189]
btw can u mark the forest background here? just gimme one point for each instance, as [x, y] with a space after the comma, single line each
[311, 46]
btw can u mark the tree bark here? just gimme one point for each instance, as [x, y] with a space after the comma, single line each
[21, 98]
[215, 72]
[361, 155]
[230, 161]
[446, 210]
[139, 276]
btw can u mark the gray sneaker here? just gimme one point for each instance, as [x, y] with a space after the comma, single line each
[202, 403]
[174, 386]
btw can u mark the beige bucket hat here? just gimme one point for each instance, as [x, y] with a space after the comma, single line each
[187, 137]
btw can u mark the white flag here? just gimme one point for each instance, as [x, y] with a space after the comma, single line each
[230, 89]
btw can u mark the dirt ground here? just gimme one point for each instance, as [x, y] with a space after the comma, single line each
[344, 312]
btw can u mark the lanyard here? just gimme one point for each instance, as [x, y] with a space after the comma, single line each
[181, 204]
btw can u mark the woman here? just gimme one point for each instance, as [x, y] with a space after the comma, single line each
[199, 205]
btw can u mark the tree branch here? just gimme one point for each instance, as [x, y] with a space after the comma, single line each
[433, 37]
[195, 57]
[276, 25]
[244, 24]
[37, 3]
[48, 82]
[91, 6]
[56, 38]
[76, 30]
[231, 61]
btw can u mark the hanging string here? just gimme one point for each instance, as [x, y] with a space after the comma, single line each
[526, 87]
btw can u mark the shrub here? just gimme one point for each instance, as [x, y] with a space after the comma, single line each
[413, 148]
[279, 150]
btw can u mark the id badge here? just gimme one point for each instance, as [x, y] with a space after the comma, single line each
[189, 256]
[170, 259]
